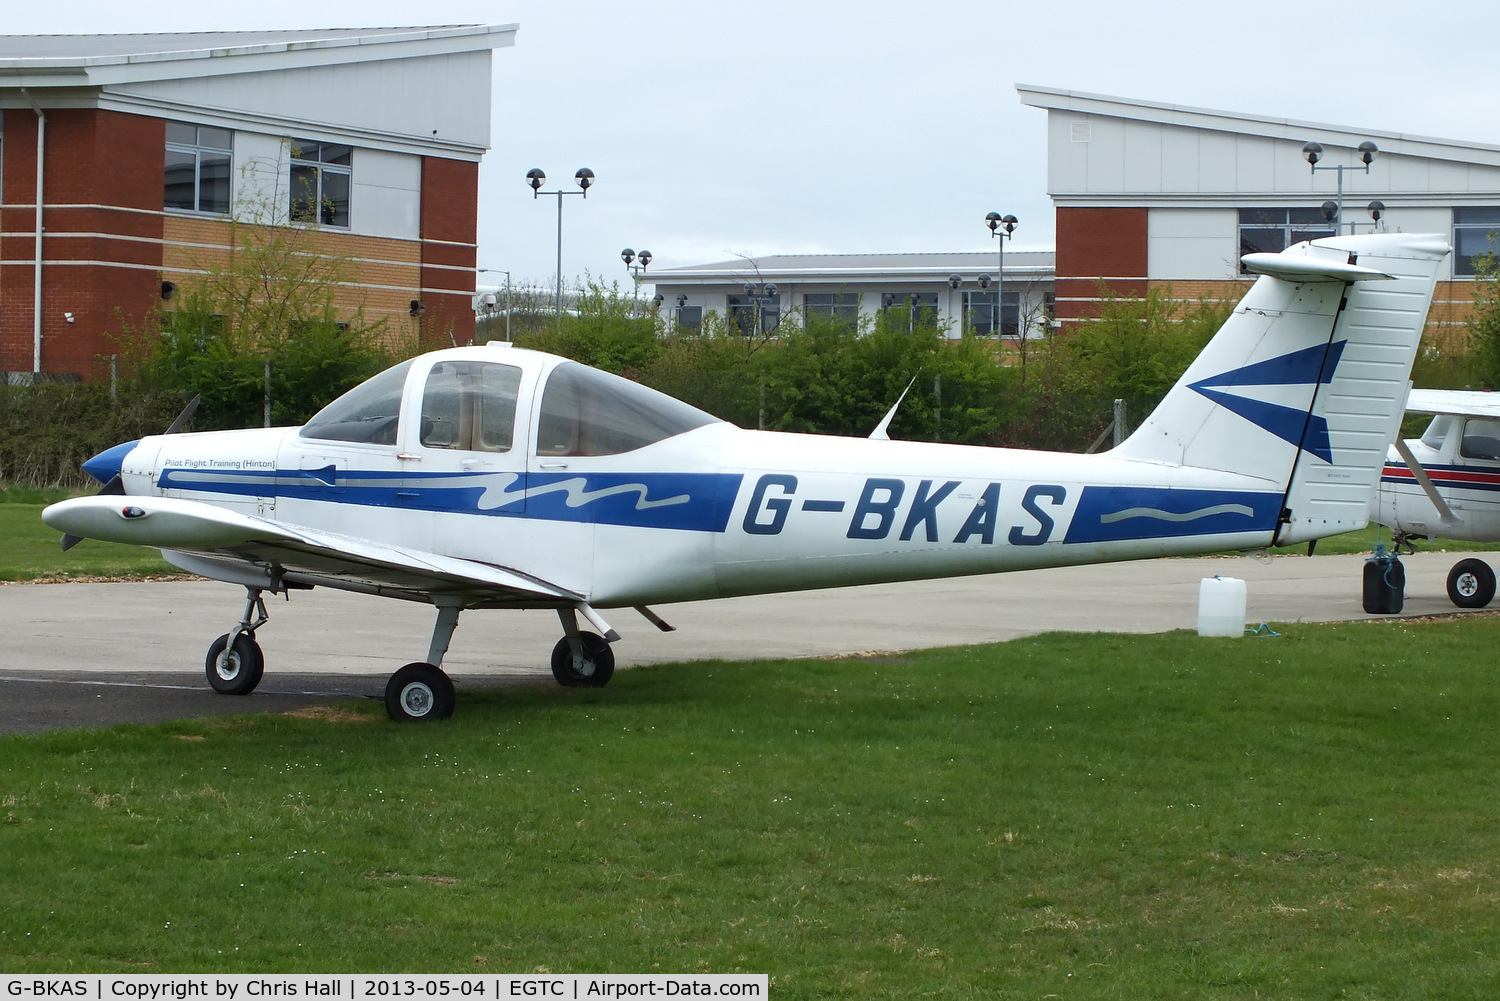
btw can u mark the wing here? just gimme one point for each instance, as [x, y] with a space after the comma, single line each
[1463, 402]
[241, 549]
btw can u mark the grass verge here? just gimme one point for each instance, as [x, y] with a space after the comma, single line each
[29, 550]
[1139, 816]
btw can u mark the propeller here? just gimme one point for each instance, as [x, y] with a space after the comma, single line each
[109, 461]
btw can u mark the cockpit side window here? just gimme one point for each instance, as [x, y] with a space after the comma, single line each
[1437, 432]
[470, 405]
[368, 413]
[588, 412]
[1481, 440]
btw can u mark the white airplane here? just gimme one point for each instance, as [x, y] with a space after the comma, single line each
[496, 477]
[1448, 483]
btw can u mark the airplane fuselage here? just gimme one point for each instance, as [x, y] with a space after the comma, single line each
[768, 511]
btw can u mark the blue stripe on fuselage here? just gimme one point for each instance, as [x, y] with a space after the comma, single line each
[1118, 514]
[693, 502]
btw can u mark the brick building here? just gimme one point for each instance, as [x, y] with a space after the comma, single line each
[1149, 193]
[154, 148]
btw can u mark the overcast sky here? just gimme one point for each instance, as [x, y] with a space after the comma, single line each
[797, 126]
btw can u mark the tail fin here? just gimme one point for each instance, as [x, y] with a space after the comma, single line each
[1305, 384]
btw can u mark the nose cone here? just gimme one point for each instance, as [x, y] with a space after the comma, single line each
[106, 465]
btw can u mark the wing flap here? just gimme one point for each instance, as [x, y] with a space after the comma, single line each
[227, 545]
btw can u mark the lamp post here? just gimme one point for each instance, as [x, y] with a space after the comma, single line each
[1312, 152]
[536, 179]
[1001, 226]
[502, 271]
[954, 281]
[637, 272]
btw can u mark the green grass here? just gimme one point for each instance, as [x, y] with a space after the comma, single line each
[1363, 541]
[1307, 816]
[29, 550]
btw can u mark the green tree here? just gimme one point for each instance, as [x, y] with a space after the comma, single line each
[273, 299]
[1483, 322]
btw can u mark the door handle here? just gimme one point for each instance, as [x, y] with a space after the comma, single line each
[554, 465]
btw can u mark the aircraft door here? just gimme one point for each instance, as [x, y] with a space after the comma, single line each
[337, 472]
[1478, 496]
[466, 470]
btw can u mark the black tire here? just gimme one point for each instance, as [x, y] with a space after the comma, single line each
[1471, 584]
[418, 693]
[234, 670]
[598, 668]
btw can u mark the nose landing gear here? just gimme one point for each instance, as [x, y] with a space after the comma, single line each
[235, 664]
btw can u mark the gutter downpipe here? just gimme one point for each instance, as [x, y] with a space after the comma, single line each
[36, 295]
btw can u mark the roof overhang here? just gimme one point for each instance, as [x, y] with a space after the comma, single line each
[1292, 130]
[190, 55]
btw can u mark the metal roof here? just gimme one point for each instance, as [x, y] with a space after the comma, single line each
[72, 49]
[835, 267]
[1078, 102]
[103, 60]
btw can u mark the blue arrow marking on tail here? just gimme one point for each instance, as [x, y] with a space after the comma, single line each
[1308, 367]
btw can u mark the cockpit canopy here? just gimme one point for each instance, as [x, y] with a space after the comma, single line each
[472, 403]
[589, 412]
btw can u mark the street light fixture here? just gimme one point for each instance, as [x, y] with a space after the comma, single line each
[1312, 152]
[1002, 227]
[535, 178]
[637, 272]
[766, 294]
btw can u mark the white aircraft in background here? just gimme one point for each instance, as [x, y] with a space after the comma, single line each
[495, 477]
[1448, 483]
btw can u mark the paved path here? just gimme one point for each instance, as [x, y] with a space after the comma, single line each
[92, 654]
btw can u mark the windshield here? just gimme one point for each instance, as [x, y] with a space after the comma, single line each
[588, 412]
[366, 413]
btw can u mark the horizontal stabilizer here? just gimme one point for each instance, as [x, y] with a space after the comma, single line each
[1311, 269]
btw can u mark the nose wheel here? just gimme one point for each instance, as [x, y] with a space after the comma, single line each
[235, 664]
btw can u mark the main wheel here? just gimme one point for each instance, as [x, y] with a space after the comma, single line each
[1471, 584]
[598, 662]
[419, 692]
[234, 670]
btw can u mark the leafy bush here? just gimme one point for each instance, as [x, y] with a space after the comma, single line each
[48, 430]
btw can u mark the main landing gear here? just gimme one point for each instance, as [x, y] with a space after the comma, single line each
[1471, 584]
[421, 690]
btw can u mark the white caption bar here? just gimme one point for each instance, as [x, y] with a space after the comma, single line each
[372, 987]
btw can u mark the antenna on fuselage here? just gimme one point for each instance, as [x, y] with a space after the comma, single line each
[880, 432]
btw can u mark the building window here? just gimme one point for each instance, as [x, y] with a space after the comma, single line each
[689, 317]
[1474, 233]
[198, 168]
[979, 313]
[905, 309]
[742, 313]
[1270, 231]
[842, 306]
[320, 181]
